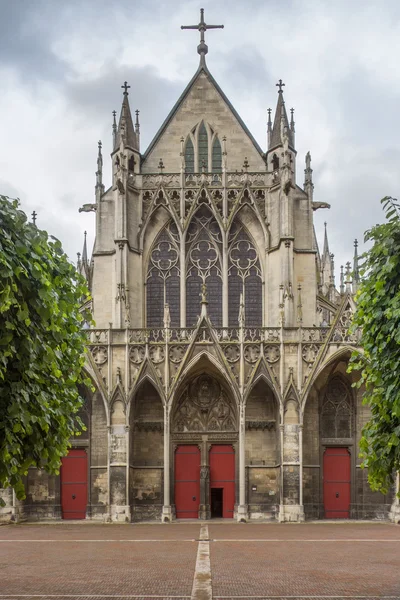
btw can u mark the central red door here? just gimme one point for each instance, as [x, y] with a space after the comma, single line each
[337, 483]
[74, 485]
[222, 475]
[187, 482]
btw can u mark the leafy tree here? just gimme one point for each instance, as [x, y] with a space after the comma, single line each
[41, 348]
[378, 317]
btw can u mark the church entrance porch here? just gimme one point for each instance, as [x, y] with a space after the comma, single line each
[204, 440]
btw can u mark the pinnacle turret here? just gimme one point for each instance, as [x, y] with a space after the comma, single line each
[99, 172]
[281, 122]
[126, 130]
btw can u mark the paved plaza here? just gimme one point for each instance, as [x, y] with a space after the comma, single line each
[200, 561]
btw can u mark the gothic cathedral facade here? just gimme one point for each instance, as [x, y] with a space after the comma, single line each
[219, 355]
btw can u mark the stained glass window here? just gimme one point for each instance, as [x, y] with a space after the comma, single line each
[189, 156]
[336, 417]
[163, 280]
[244, 277]
[203, 265]
[216, 156]
[203, 148]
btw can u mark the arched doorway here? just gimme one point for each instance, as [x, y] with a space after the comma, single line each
[262, 452]
[204, 434]
[333, 418]
[146, 454]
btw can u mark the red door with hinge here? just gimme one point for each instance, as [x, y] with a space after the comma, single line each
[337, 476]
[187, 482]
[74, 485]
[222, 475]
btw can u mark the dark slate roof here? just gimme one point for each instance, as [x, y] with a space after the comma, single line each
[276, 130]
[130, 135]
[202, 68]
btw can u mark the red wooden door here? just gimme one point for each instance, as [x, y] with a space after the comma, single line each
[74, 485]
[187, 482]
[337, 483]
[222, 475]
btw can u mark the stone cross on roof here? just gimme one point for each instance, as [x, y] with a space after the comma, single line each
[202, 48]
[125, 87]
[280, 85]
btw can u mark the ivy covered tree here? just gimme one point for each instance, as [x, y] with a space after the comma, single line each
[378, 317]
[42, 348]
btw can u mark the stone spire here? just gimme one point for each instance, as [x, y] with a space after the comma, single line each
[356, 271]
[126, 128]
[308, 182]
[281, 122]
[326, 266]
[99, 172]
[269, 128]
[114, 128]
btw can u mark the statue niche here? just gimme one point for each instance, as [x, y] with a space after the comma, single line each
[204, 406]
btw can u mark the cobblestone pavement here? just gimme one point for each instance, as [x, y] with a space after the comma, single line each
[200, 561]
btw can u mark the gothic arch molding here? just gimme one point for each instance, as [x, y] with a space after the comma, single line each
[339, 355]
[204, 361]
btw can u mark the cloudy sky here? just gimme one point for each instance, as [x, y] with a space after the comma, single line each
[62, 64]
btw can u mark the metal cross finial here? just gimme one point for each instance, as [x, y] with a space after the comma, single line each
[125, 87]
[202, 48]
[34, 215]
[280, 85]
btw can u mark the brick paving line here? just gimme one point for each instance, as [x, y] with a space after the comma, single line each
[202, 589]
[330, 541]
[91, 541]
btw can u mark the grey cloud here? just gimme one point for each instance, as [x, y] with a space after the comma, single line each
[25, 36]
[152, 94]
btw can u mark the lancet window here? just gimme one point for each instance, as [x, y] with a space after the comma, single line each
[336, 416]
[203, 265]
[244, 278]
[163, 278]
[203, 150]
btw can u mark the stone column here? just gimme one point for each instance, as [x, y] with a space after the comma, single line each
[204, 508]
[166, 511]
[119, 458]
[242, 510]
[394, 514]
[291, 506]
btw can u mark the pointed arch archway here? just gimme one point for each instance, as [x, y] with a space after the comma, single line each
[146, 452]
[262, 447]
[204, 442]
[333, 417]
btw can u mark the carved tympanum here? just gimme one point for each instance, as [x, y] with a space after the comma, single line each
[204, 406]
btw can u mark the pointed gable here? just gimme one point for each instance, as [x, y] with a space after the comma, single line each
[203, 100]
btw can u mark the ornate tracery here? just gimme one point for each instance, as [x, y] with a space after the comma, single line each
[336, 416]
[203, 265]
[163, 278]
[244, 277]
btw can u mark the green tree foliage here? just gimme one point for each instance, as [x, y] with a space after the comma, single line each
[378, 317]
[42, 348]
